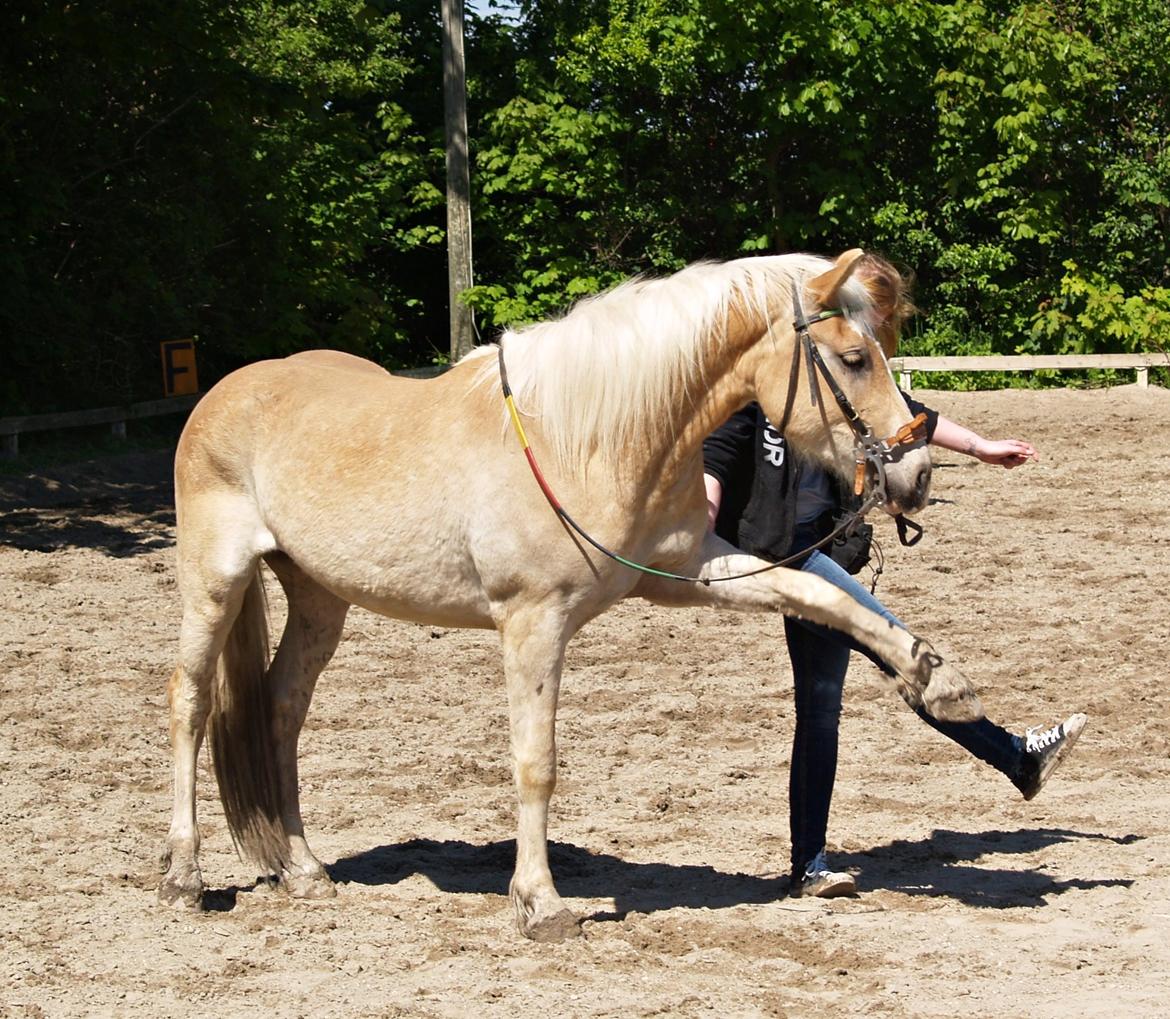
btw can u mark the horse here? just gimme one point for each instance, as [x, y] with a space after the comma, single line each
[414, 499]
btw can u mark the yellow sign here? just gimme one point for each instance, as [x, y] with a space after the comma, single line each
[178, 365]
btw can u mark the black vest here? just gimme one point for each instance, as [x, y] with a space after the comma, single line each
[757, 512]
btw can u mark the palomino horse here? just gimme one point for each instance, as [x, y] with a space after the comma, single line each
[415, 500]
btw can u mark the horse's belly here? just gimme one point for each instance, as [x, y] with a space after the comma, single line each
[420, 591]
[405, 572]
[439, 610]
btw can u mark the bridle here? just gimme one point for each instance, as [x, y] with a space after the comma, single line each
[871, 454]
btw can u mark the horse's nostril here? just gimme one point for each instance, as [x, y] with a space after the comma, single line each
[922, 484]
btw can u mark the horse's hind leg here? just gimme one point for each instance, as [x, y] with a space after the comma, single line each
[534, 647]
[211, 604]
[188, 693]
[311, 634]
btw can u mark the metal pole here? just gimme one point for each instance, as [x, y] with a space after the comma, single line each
[458, 179]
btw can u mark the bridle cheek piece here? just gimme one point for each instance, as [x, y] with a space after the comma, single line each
[870, 453]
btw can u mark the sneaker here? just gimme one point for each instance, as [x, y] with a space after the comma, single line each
[1045, 749]
[820, 882]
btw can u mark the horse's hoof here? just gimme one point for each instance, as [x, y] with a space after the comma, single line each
[308, 886]
[910, 694]
[947, 694]
[950, 698]
[553, 929]
[181, 895]
[965, 707]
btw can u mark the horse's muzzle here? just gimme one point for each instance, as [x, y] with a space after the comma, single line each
[913, 498]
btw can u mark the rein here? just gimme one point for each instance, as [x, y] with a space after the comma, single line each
[868, 450]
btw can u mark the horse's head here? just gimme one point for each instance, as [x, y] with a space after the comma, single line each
[836, 401]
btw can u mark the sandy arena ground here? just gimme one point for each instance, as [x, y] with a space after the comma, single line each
[1048, 584]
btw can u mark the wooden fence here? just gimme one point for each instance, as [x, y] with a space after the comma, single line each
[11, 428]
[904, 367]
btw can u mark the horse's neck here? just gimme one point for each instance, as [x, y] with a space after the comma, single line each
[726, 384]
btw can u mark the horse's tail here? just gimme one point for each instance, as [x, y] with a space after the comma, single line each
[239, 732]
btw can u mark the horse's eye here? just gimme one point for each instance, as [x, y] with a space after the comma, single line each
[853, 358]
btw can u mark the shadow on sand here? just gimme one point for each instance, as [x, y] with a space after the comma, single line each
[942, 864]
[119, 505]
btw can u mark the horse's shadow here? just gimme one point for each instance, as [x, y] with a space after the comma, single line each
[939, 865]
[455, 866]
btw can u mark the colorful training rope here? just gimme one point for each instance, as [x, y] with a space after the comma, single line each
[560, 510]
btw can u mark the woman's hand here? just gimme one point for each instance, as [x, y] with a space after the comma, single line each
[1004, 452]
[714, 489]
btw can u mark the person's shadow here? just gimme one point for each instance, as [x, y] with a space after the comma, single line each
[942, 864]
[946, 864]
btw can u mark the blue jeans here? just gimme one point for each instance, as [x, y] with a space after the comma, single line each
[820, 657]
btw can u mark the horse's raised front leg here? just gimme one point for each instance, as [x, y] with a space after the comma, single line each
[312, 632]
[923, 677]
[534, 647]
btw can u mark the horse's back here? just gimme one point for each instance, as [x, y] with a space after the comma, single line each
[325, 418]
[338, 359]
[272, 401]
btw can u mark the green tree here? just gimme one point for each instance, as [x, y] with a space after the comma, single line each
[234, 172]
[268, 176]
[1012, 154]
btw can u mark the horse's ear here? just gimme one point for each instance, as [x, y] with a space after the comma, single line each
[824, 288]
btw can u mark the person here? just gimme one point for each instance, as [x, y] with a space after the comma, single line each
[770, 505]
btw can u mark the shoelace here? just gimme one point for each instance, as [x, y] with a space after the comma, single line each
[817, 865]
[1044, 739]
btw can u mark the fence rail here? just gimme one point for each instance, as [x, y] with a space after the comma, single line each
[1141, 363]
[11, 428]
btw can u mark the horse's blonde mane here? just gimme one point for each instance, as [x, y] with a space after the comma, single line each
[615, 368]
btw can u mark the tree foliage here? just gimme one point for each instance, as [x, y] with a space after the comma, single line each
[1013, 155]
[228, 171]
[268, 176]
